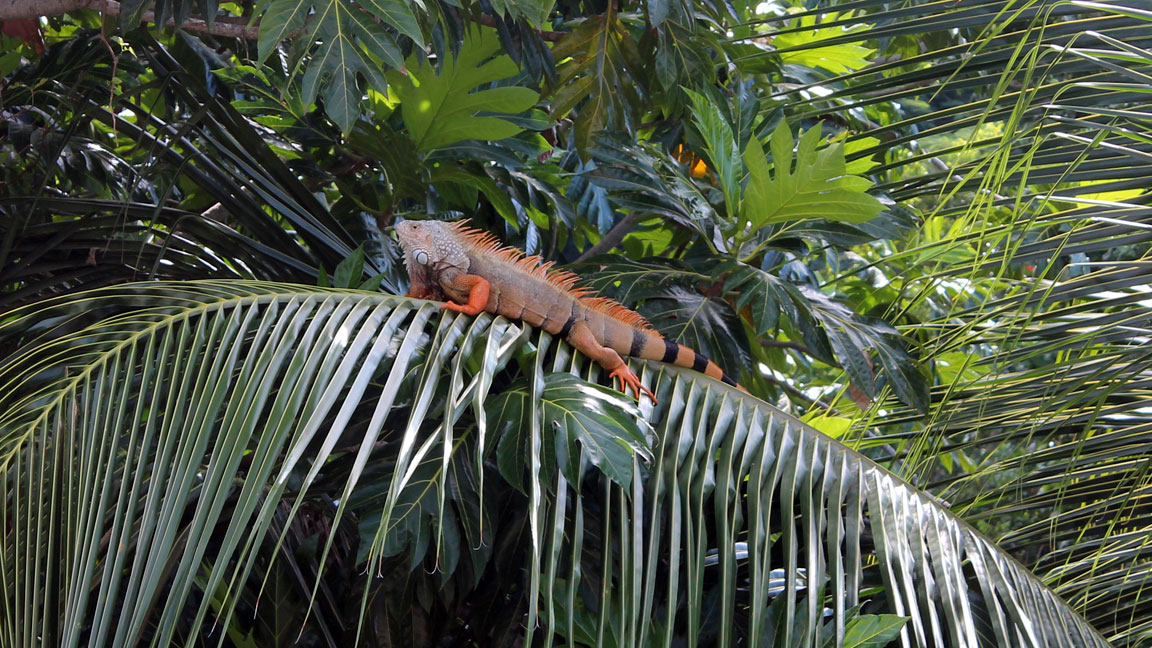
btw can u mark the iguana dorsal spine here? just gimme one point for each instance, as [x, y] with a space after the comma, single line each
[474, 272]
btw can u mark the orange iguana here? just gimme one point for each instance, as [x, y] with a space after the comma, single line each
[472, 272]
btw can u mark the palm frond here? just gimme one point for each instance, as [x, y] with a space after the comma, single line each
[154, 438]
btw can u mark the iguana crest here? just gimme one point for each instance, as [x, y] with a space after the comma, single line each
[438, 238]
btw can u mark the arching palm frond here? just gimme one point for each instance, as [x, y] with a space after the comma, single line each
[156, 438]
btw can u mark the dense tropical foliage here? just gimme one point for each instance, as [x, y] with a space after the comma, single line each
[918, 233]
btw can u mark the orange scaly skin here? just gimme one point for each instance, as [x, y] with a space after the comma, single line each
[475, 273]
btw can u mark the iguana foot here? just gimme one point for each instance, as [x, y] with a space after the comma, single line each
[462, 308]
[629, 380]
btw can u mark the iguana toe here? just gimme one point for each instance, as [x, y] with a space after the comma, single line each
[629, 380]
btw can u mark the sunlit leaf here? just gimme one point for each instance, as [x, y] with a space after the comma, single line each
[812, 184]
[872, 630]
[798, 47]
[442, 106]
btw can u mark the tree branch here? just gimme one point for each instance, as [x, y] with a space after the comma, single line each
[787, 345]
[227, 26]
[611, 239]
[23, 9]
[550, 36]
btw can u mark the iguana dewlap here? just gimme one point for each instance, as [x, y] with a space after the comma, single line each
[475, 273]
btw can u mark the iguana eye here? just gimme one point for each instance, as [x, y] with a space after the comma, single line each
[421, 257]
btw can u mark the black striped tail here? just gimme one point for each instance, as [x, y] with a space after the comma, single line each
[696, 361]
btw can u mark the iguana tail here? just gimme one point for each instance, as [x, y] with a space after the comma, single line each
[628, 339]
[657, 347]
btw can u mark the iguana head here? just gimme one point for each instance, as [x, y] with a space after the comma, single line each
[420, 242]
[429, 247]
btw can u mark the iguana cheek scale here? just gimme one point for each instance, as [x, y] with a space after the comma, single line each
[472, 272]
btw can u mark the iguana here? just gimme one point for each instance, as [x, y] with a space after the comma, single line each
[471, 272]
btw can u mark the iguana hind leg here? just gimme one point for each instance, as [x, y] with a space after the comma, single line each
[582, 338]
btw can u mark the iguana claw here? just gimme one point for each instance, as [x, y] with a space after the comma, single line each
[629, 379]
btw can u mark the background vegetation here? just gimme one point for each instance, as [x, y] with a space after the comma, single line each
[917, 232]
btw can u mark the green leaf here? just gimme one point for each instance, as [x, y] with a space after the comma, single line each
[683, 56]
[834, 426]
[864, 164]
[706, 324]
[723, 152]
[399, 15]
[766, 297]
[872, 630]
[350, 270]
[818, 186]
[416, 519]
[486, 185]
[598, 77]
[631, 280]
[332, 70]
[647, 180]
[853, 337]
[535, 11]
[372, 284]
[354, 42]
[279, 18]
[443, 108]
[600, 422]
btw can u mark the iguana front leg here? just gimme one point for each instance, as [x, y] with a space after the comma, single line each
[581, 337]
[475, 288]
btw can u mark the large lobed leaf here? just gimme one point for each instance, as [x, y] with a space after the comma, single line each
[354, 40]
[811, 184]
[447, 105]
[598, 68]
